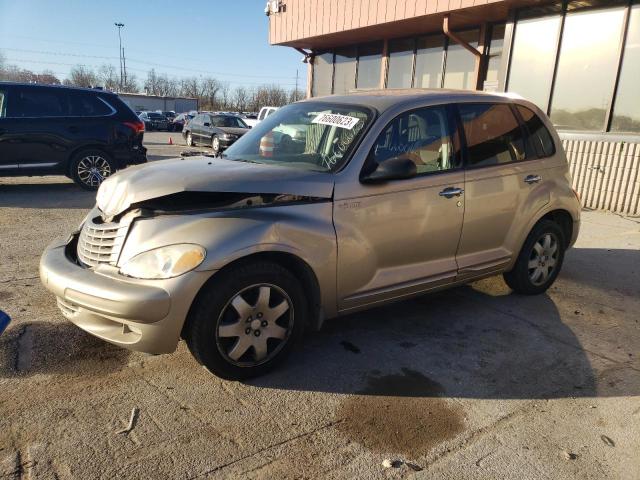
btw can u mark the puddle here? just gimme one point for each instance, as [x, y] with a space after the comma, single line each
[400, 413]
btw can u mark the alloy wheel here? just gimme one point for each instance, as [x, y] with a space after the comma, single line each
[543, 258]
[93, 169]
[255, 325]
[215, 144]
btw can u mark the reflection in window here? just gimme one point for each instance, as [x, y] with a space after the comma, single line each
[492, 133]
[495, 54]
[586, 69]
[400, 63]
[429, 54]
[423, 137]
[461, 64]
[344, 77]
[540, 143]
[626, 114]
[322, 73]
[369, 63]
[533, 59]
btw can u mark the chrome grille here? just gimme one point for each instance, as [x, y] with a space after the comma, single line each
[101, 242]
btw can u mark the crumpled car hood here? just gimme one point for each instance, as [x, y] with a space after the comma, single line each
[206, 174]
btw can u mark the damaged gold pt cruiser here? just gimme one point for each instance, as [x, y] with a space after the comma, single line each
[328, 206]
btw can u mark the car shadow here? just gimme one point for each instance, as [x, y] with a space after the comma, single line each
[477, 341]
[62, 194]
[33, 348]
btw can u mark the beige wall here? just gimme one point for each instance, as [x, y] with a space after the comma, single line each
[306, 19]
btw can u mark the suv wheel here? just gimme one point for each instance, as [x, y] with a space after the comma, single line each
[190, 142]
[246, 320]
[539, 261]
[90, 168]
[215, 145]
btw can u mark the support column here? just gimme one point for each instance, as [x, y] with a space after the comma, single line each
[384, 64]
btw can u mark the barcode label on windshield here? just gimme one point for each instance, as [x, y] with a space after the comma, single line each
[336, 120]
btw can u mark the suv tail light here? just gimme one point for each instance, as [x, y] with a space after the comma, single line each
[137, 127]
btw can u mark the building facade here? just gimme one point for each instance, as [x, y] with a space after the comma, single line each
[577, 60]
[140, 102]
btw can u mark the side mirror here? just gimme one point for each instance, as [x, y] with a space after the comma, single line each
[395, 168]
[206, 124]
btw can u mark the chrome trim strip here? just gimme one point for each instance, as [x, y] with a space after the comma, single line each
[36, 165]
[7, 167]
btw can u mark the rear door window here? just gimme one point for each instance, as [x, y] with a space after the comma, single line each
[540, 142]
[493, 134]
[86, 105]
[38, 102]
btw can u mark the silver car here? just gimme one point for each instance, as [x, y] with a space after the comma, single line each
[384, 196]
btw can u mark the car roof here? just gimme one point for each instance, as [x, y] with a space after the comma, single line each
[382, 100]
[67, 87]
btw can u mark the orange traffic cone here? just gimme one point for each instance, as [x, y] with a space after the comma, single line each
[170, 141]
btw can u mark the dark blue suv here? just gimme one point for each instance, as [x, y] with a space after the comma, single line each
[82, 133]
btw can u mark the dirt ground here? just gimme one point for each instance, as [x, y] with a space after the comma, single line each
[472, 383]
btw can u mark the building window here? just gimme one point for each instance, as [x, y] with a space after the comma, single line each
[369, 63]
[460, 64]
[344, 77]
[322, 74]
[429, 54]
[495, 57]
[400, 63]
[626, 114]
[586, 69]
[533, 59]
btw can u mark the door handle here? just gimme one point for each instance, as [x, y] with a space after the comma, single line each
[451, 192]
[532, 179]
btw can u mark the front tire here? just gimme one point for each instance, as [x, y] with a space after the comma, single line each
[190, 142]
[539, 261]
[215, 145]
[90, 167]
[246, 320]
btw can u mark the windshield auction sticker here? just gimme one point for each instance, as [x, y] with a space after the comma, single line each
[336, 120]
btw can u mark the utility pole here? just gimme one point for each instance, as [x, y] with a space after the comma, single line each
[295, 95]
[121, 51]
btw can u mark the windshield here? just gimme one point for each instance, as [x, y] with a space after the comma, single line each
[310, 135]
[156, 116]
[228, 121]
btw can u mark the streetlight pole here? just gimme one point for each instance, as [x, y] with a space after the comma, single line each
[120, 25]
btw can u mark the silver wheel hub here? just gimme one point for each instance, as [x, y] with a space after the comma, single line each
[254, 325]
[543, 259]
[93, 169]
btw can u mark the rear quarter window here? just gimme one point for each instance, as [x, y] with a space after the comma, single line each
[540, 141]
[3, 103]
[87, 105]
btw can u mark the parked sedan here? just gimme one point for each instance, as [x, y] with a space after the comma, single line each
[219, 131]
[178, 123]
[154, 121]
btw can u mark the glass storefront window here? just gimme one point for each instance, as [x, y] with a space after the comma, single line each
[369, 63]
[586, 69]
[460, 65]
[344, 77]
[322, 73]
[533, 59]
[428, 71]
[400, 63]
[495, 56]
[626, 112]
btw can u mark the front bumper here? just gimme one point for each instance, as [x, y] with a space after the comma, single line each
[141, 315]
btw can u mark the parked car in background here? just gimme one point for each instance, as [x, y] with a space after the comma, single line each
[154, 121]
[265, 112]
[217, 131]
[169, 115]
[393, 195]
[179, 122]
[250, 119]
[85, 134]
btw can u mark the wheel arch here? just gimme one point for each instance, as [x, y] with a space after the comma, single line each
[564, 220]
[82, 148]
[293, 263]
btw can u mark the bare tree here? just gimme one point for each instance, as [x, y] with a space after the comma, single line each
[109, 77]
[131, 84]
[81, 76]
[241, 99]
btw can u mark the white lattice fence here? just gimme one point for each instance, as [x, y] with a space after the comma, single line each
[606, 174]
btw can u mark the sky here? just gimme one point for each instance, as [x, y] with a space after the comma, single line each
[226, 39]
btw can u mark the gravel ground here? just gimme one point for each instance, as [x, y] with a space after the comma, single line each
[473, 382]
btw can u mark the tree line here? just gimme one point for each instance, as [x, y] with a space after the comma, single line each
[212, 94]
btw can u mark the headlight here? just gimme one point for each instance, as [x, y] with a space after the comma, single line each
[228, 136]
[164, 262]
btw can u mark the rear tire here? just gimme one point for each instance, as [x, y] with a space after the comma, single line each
[89, 168]
[190, 142]
[539, 261]
[246, 320]
[215, 145]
